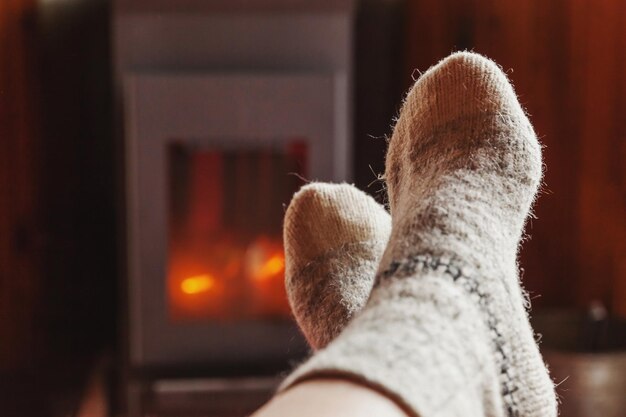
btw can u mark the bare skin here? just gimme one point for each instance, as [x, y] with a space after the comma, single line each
[330, 398]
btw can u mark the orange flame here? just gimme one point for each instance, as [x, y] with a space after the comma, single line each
[271, 267]
[197, 284]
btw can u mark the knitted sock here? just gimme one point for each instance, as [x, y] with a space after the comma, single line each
[334, 238]
[445, 330]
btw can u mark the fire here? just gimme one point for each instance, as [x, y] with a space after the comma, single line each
[265, 260]
[230, 279]
[197, 284]
[271, 267]
[225, 252]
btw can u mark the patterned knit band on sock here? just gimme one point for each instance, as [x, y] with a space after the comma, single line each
[445, 331]
[334, 238]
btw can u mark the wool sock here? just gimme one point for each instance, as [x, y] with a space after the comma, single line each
[445, 331]
[334, 238]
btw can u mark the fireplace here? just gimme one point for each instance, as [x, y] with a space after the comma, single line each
[211, 162]
[217, 137]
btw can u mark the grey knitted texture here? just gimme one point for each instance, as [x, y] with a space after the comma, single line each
[445, 331]
[334, 238]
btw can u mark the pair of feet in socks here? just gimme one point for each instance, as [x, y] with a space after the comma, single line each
[425, 305]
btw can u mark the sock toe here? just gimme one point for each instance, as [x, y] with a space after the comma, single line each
[462, 113]
[330, 216]
[462, 85]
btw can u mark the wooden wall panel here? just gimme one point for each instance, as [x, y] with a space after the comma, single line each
[619, 171]
[600, 51]
[18, 188]
[57, 262]
[567, 62]
[598, 31]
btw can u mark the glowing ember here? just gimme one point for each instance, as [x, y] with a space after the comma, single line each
[197, 284]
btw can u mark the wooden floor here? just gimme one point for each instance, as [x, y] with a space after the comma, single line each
[589, 385]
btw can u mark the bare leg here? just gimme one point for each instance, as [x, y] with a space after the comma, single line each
[330, 398]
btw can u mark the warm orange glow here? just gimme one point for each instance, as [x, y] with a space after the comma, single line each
[230, 279]
[197, 284]
[271, 267]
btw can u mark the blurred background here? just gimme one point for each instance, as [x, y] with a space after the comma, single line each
[79, 80]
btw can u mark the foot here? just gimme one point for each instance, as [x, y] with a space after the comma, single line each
[334, 238]
[445, 331]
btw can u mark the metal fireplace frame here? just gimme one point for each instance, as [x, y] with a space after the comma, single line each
[202, 109]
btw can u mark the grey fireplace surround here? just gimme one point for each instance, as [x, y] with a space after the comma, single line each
[218, 70]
